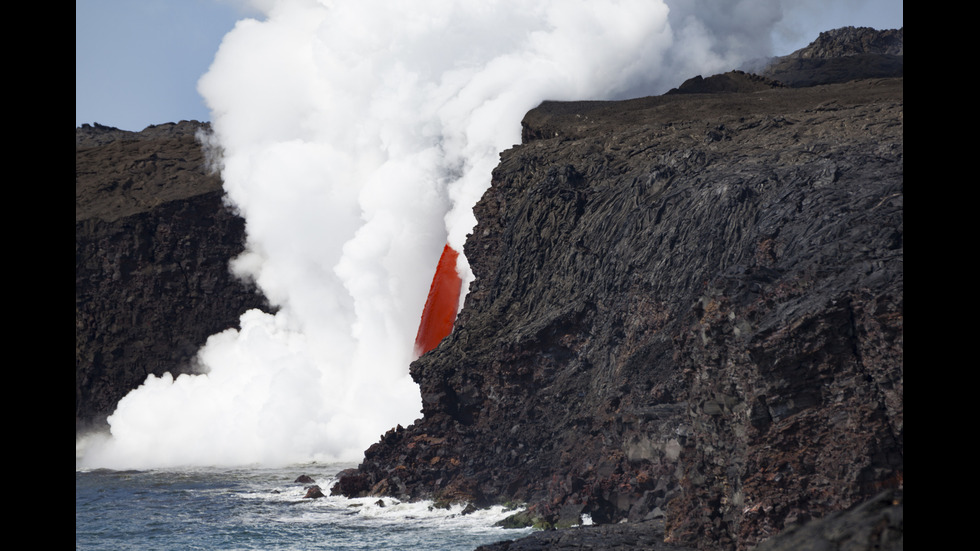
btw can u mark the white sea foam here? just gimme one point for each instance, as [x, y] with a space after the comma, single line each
[375, 512]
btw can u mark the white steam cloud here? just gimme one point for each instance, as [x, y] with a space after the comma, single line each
[356, 138]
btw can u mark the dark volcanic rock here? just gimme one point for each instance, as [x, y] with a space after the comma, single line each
[842, 55]
[878, 523]
[313, 492]
[152, 243]
[688, 305]
[851, 41]
[641, 536]
[734, 81]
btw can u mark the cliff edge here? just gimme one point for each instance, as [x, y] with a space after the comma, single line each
[687, 313]
[153, 238]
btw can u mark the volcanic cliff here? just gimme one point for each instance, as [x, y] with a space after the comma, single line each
[688, 310]
[686, 324]
[153, 238]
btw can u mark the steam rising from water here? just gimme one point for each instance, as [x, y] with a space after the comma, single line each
[356, 138]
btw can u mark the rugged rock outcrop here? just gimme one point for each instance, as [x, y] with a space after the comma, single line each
[842, 55]
[839, 55]
[732, 81]
[152, 243]
[875, 524]
[687, 309]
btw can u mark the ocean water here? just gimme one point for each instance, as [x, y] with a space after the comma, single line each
[261, 508]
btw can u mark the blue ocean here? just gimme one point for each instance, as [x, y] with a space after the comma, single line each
[261, 508]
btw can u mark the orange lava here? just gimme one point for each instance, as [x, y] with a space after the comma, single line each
[440, 308]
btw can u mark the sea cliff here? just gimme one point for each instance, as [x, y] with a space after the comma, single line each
[686, 323]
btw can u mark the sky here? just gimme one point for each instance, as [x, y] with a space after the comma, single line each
[137, 62]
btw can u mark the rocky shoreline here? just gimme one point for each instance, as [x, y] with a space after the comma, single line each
[875, 524]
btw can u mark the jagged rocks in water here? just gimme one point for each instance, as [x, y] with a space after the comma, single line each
[878, 523]
[313, 492]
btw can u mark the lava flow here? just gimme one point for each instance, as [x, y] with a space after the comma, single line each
[441, 305]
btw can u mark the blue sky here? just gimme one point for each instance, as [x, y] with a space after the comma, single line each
[137, 62]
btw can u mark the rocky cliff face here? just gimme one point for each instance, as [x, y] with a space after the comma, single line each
[687, 309]
[842, 55]
[152, 244]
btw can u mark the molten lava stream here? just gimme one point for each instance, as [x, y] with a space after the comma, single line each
[441, 305]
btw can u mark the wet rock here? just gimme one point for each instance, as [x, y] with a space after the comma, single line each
[351, 483]
[313, 492]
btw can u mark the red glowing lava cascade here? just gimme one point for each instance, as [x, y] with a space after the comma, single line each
[440, 308]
